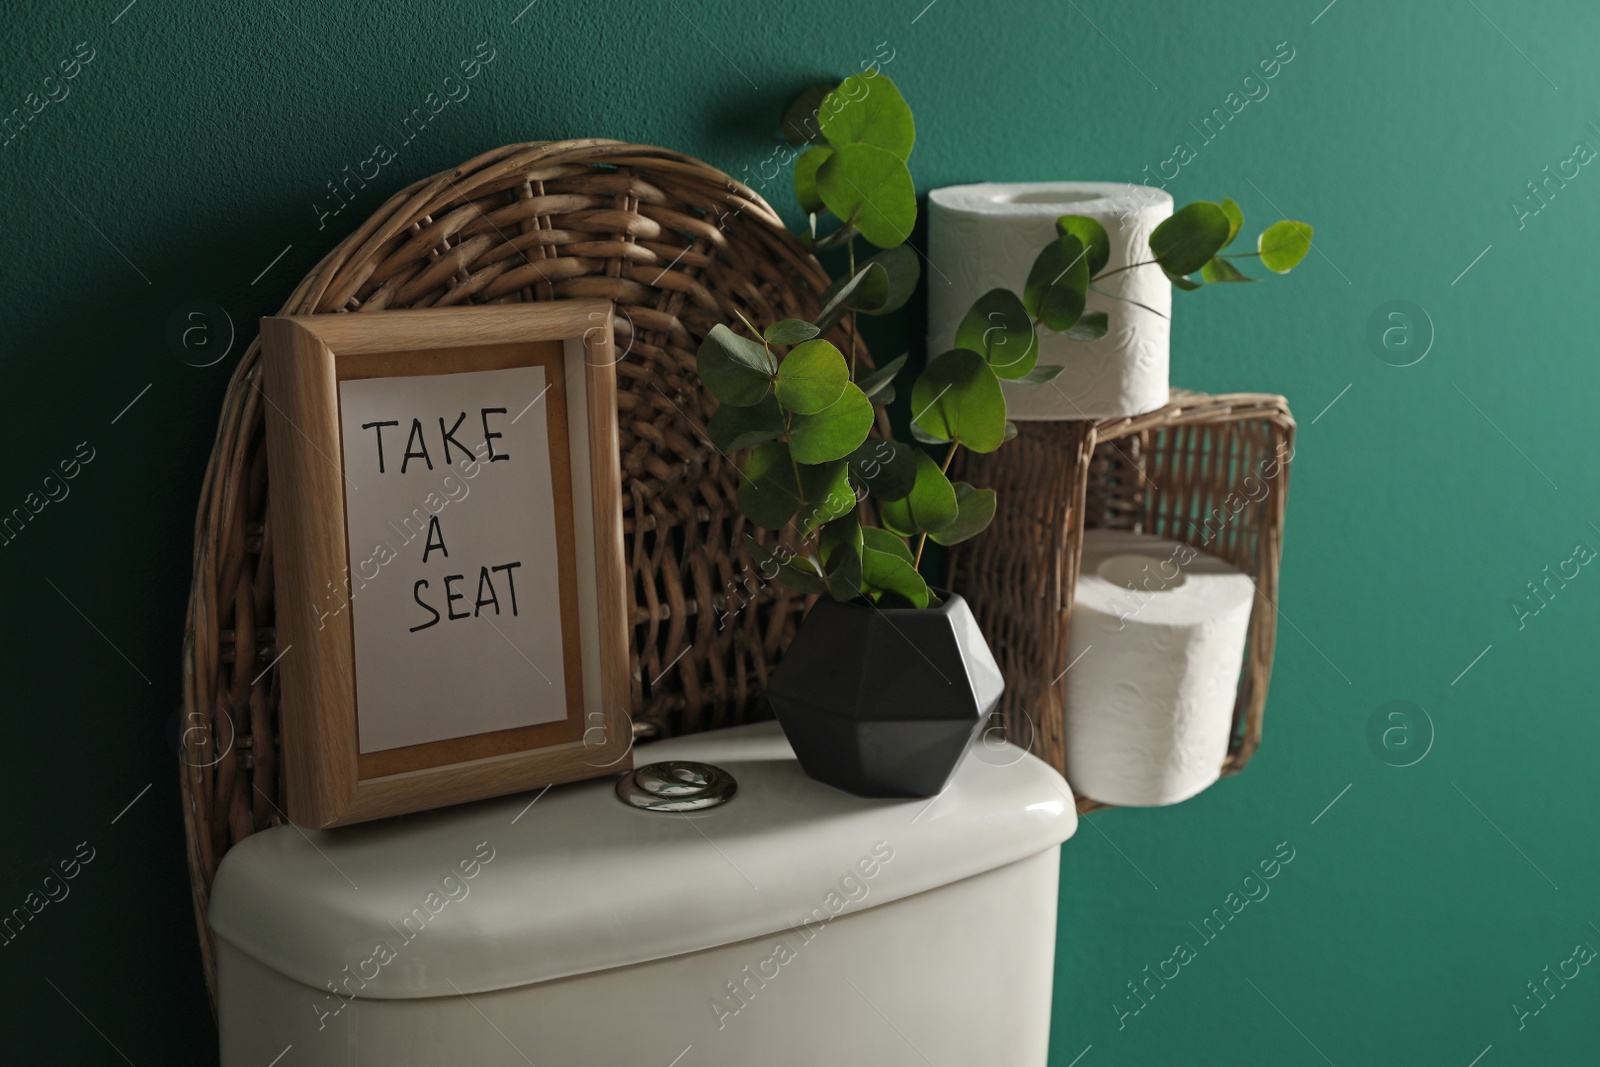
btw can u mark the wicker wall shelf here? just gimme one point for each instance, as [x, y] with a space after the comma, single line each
[1168, 473]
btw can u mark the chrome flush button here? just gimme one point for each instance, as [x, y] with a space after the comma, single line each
[677, 785]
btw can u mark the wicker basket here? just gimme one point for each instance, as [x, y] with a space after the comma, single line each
[680, 247]
[1168, 473]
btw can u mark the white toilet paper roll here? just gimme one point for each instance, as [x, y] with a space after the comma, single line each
[1155, 668]
[983, 237]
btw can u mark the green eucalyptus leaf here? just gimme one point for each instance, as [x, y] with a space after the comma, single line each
[1000, 329]
[871, 187]
[775, 489]
[801, 124]
[1235, 219]
[1092, 235]
[735, 369]
[1041, 374]
[885, 469]
[789, 332]
[930, 506]
[1192, 235]
[1011, 428]
[840, 546]
[881, 380]
[975, 510]
[825, 495]
[1187, 284]
[904, 269]
[1091, 326]
[918, 433]
[805, 179]
[733, 428]
[1222, 270]
[1058, 283]
[842, 534]
[1283, 245]
[868, 109]
[880, 540]
[769, 493]
[845, 582]
[802, 578]
[887, 576]
[835, 431]
[958, 396]
[811, 377]
[760, 553]
[866, 291]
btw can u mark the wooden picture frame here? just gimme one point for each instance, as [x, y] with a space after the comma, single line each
[450, 713]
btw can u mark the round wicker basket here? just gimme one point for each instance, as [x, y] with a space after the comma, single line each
[679, 246]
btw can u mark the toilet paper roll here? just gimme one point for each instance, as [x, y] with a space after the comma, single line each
[1158, 635]
[983, 237]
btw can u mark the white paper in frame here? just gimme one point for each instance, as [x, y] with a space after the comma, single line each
[445, 504]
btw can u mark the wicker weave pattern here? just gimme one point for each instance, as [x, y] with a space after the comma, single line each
[1175, 472]
[679, 246]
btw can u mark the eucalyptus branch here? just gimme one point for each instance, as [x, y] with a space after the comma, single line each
[1119, 270]
[805, 421]
[1125, 299]
[851, 246]
[944, 468]
[788, 428]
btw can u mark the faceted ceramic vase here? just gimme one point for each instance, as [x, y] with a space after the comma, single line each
[883, 702]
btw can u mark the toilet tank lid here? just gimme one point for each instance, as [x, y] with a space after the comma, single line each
[534, 887]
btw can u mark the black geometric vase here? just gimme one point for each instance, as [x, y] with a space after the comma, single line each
[883, 702]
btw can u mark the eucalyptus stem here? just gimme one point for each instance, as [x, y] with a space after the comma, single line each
[788, 424]
[1119, 270]
[1126, 300]
[851, 247]
[944, 468]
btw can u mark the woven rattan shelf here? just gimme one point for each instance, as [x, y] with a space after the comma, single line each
[1178, 472]
[680, 247]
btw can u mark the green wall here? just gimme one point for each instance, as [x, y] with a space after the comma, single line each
[192, 149]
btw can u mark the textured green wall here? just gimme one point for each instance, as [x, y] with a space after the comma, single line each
[196, 144]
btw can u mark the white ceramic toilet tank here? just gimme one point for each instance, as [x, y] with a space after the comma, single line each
[794, 925]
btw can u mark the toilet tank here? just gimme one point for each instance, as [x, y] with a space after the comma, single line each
[794, 925]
